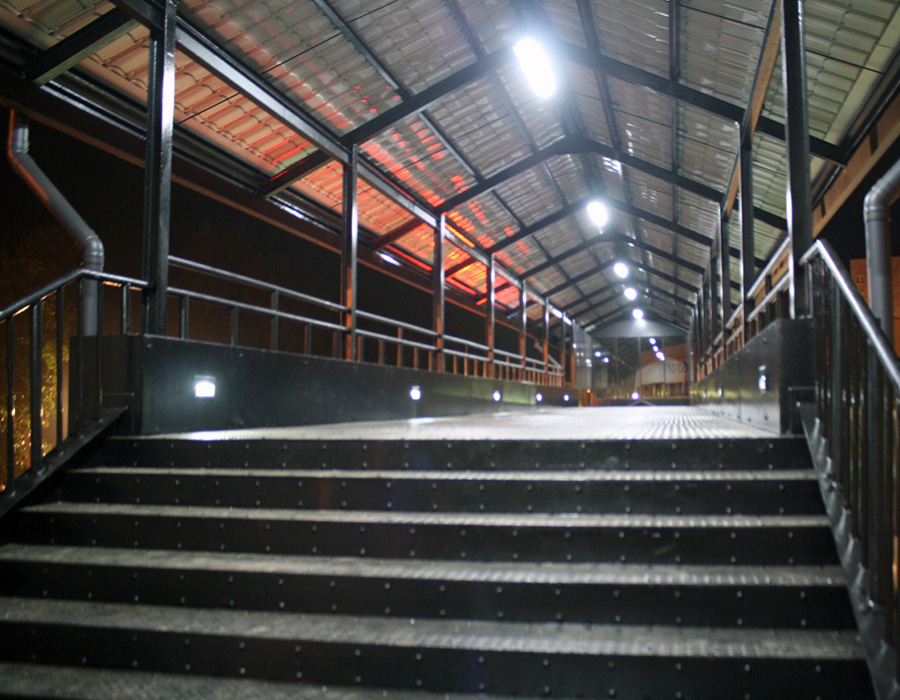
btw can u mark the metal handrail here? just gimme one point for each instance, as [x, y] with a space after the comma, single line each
[394, 322]
[772, 294]
[875, 335]
[773, 261]
[252, 282]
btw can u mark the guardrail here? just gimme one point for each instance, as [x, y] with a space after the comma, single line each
[42, 332]
[858, 410]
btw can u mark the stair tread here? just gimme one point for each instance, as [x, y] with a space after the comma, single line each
[580, 475]
[525, 520]
[534, 638]
[436, 570]
[44, 681]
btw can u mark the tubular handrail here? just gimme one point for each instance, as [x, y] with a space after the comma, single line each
[252, 282]
[30, 299]
[779, 287]
[882, 346]
[393, 322]
[405, 342]
[275, 313]
[773, 261]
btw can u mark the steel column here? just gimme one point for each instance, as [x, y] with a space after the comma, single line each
[158, 169]
[437, 297]
[748, 234]
[350, 253]
[490, 315]
[546, 342]
[725, 274]
[796, 114]
[523, 328]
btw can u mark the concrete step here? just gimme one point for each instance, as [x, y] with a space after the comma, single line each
[204, 450]
[765, 492]
[505, 658]
[688, 539]
[739, 596]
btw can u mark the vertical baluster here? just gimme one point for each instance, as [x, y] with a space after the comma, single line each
[10, 404]
[275, 318]
[60, 354]
[99, 351]
[35, 368]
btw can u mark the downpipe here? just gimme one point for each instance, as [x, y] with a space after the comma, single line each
[877, 216]
[56, 203]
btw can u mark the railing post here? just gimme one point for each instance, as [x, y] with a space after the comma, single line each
[158, 169]
[796, 118]
[545, 345]
[60, 341]
[437, 299]
[838, 379]
[350, 251]
[725, 280]
[184, 317]
[489, 316]
[275, 307]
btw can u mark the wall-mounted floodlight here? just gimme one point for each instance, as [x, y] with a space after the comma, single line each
[536, 66]
[621, 269]
[539, 397]
[497, 396]
[415, 393]
[630, 293]
[638, 314]
[597, 213]
[205, 387]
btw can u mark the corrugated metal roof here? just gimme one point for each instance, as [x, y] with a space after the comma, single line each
[343, 63]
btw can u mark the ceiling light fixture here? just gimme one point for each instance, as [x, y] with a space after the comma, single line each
[630, 293]
[537, 67]
[638, 314]
[597, 213]
[621, 269]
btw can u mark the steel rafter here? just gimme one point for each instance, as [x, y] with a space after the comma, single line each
[75, 48]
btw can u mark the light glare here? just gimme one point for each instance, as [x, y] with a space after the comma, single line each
[638, 314]
[597, 213]
[621, 269]
[630, 293]
[497, 396]
[536, 65]
[415, 393]
[204, 387]
[539, 397]
[635, 395]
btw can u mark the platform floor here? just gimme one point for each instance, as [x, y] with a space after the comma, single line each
[598, 423]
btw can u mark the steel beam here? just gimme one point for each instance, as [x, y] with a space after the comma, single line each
[725, 272]
[490, 315]
[158, 169]
[75, 48]
[287, 177]
[349, 254]
[799, 197]
[687, 95]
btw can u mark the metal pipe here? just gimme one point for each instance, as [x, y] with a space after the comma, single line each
[56, 203]
[877, 216]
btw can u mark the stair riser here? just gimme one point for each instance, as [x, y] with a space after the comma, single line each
[447, 670]
[763, 497]
[634, 604]
[707, 545]
[778, 453]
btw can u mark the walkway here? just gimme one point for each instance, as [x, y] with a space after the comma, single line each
[600, 423]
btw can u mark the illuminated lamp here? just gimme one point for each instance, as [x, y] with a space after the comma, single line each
[539, 397]
[497, 396]
[638, 314]
[415, 393]
[621, 269]
[536, 66]
[205, 387]
[597, 213]
[630, 293]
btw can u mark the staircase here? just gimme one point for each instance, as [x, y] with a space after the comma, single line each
[349, 569]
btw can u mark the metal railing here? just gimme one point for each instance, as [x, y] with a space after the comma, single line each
[48, 362]
[858, 411]
[379, 339]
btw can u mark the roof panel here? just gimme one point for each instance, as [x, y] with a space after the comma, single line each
[419, 42]
[635, 31]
